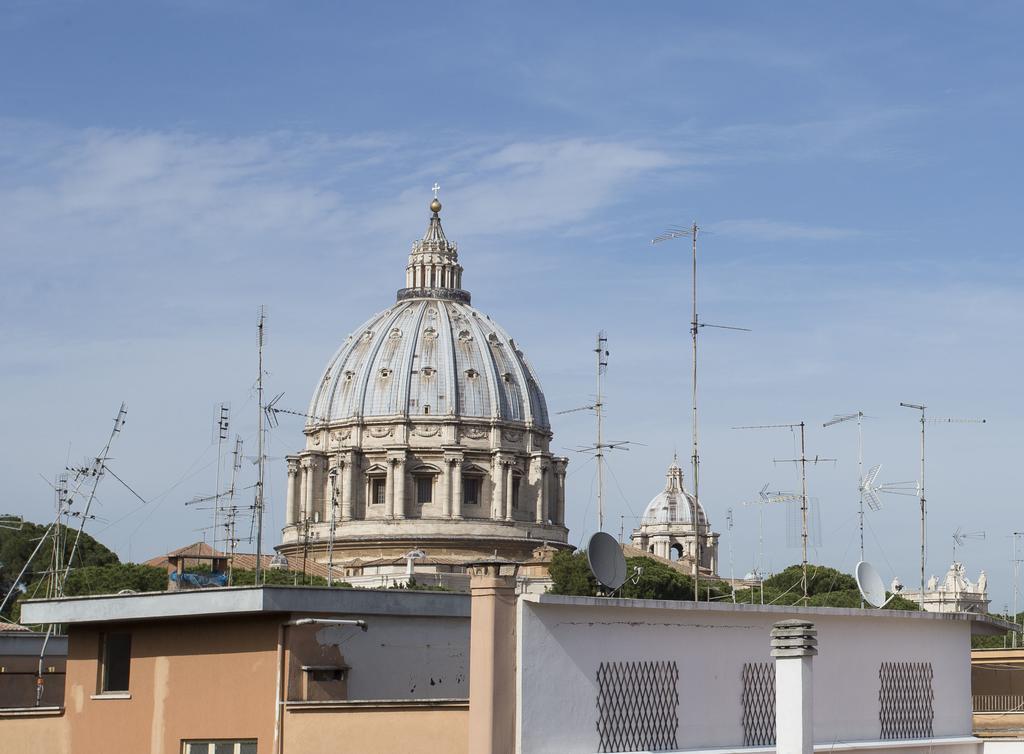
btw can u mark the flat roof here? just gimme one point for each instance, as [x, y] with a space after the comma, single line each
[980, 624]
[227, 601]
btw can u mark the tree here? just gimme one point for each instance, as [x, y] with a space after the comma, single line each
[16, 547]
[571, 575]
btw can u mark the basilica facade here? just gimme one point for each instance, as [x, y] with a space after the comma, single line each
[428, 431]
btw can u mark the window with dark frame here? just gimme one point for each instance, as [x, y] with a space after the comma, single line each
[116, 662]
[515, 491]
[471, 490]
[378, 489]
[220, 747]
[424, 489]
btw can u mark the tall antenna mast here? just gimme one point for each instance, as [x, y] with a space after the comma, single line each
[599, 447]
[1016, 573]
[260, 455]
[222, 426]
[803, 460]
[839, 419]
[602, 366]
[920, 484]
[695, 324]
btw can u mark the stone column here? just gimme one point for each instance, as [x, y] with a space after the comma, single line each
[325, 506]
[492, 649]
[289, 506]
[498, 496]
[399, 477]
[445, 488]
[539, 479]
[560, 490]
[457, 488]
[794, 644]
[509, 489]
[389, 491]
[307, 492]
[345, 462]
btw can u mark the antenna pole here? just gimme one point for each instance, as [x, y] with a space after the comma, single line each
[260, 453]
[920, 492]
[695, 457]
[803, 508]
[598, 411]
[1016, 573]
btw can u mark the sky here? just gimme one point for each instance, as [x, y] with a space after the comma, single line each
[167, 168]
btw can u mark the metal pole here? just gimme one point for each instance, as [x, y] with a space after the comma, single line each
[695, 458]
[803, 507]
[259, 481]
[333, 475]
[924, 514]
[1016, 571]
[860, 473]
[600, 438]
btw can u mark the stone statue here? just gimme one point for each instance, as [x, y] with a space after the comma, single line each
[983, 582]
[932, 583]
[897, 586]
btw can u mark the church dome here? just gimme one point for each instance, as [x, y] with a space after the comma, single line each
[674, 505]
[430, 354]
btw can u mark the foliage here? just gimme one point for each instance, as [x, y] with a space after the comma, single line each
[571, 575]
[820, 580]
[16, 547]
[999, 641]
[415, 586]
[103, 579]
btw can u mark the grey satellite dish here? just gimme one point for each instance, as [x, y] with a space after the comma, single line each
[606, 560]
[870, 585]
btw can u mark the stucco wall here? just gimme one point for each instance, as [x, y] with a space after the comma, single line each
[561, 645]
[397, 730]
[46, 733]
[189, 679]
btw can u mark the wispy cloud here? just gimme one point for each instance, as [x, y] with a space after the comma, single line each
[777, 230]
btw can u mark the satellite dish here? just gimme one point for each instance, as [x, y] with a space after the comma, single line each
[870, 585]
[606, 560]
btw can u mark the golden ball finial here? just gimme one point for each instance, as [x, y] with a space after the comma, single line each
[435, 206]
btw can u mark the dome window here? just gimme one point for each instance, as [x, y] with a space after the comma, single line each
[349, 374]
[366, 336]
[493, 340]
[385, 373]
[509, 379]
[465, 336]
[472, 374]
[395, 333]
[427, 371]
[430, 333]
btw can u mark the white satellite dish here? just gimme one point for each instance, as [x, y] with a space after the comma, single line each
[870, 585]
[606, 560]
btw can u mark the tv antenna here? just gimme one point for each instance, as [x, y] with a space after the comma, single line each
[961, 537]
[271, 410]
[221, 426]
[732, 572]
[1016, 586]
[600, 446]
[920, 485]
[692, 233]
[802, 461]
[11, 522]
[257, 577]
[764, 497]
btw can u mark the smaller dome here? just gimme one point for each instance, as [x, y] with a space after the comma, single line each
[674, 505]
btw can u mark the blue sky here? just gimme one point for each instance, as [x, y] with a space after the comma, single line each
[165, 168]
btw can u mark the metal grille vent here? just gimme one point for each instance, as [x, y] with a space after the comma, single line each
[637, 706]
[759, 704]
[905, 699]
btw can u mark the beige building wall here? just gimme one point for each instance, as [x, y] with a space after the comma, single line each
[38, 733]
[394, 728]
[189, 680]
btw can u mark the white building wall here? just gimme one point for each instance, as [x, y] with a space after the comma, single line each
[562, 640]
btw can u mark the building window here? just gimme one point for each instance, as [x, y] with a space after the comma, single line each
[424, 489]
[471, 490]
[220, 747]
[378, 489]
[515, 491]
[115, 662]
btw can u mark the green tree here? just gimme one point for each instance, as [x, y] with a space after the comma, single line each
[16, 547]
[570, 574]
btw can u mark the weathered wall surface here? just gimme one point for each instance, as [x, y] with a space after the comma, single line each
[45, 733]
[189, 679]
[561, 645]
[397, 730]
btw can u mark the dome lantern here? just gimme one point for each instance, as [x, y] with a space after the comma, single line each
[433, 270]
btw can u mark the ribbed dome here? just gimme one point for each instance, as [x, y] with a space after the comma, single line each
[430, 354]
[674, 505]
